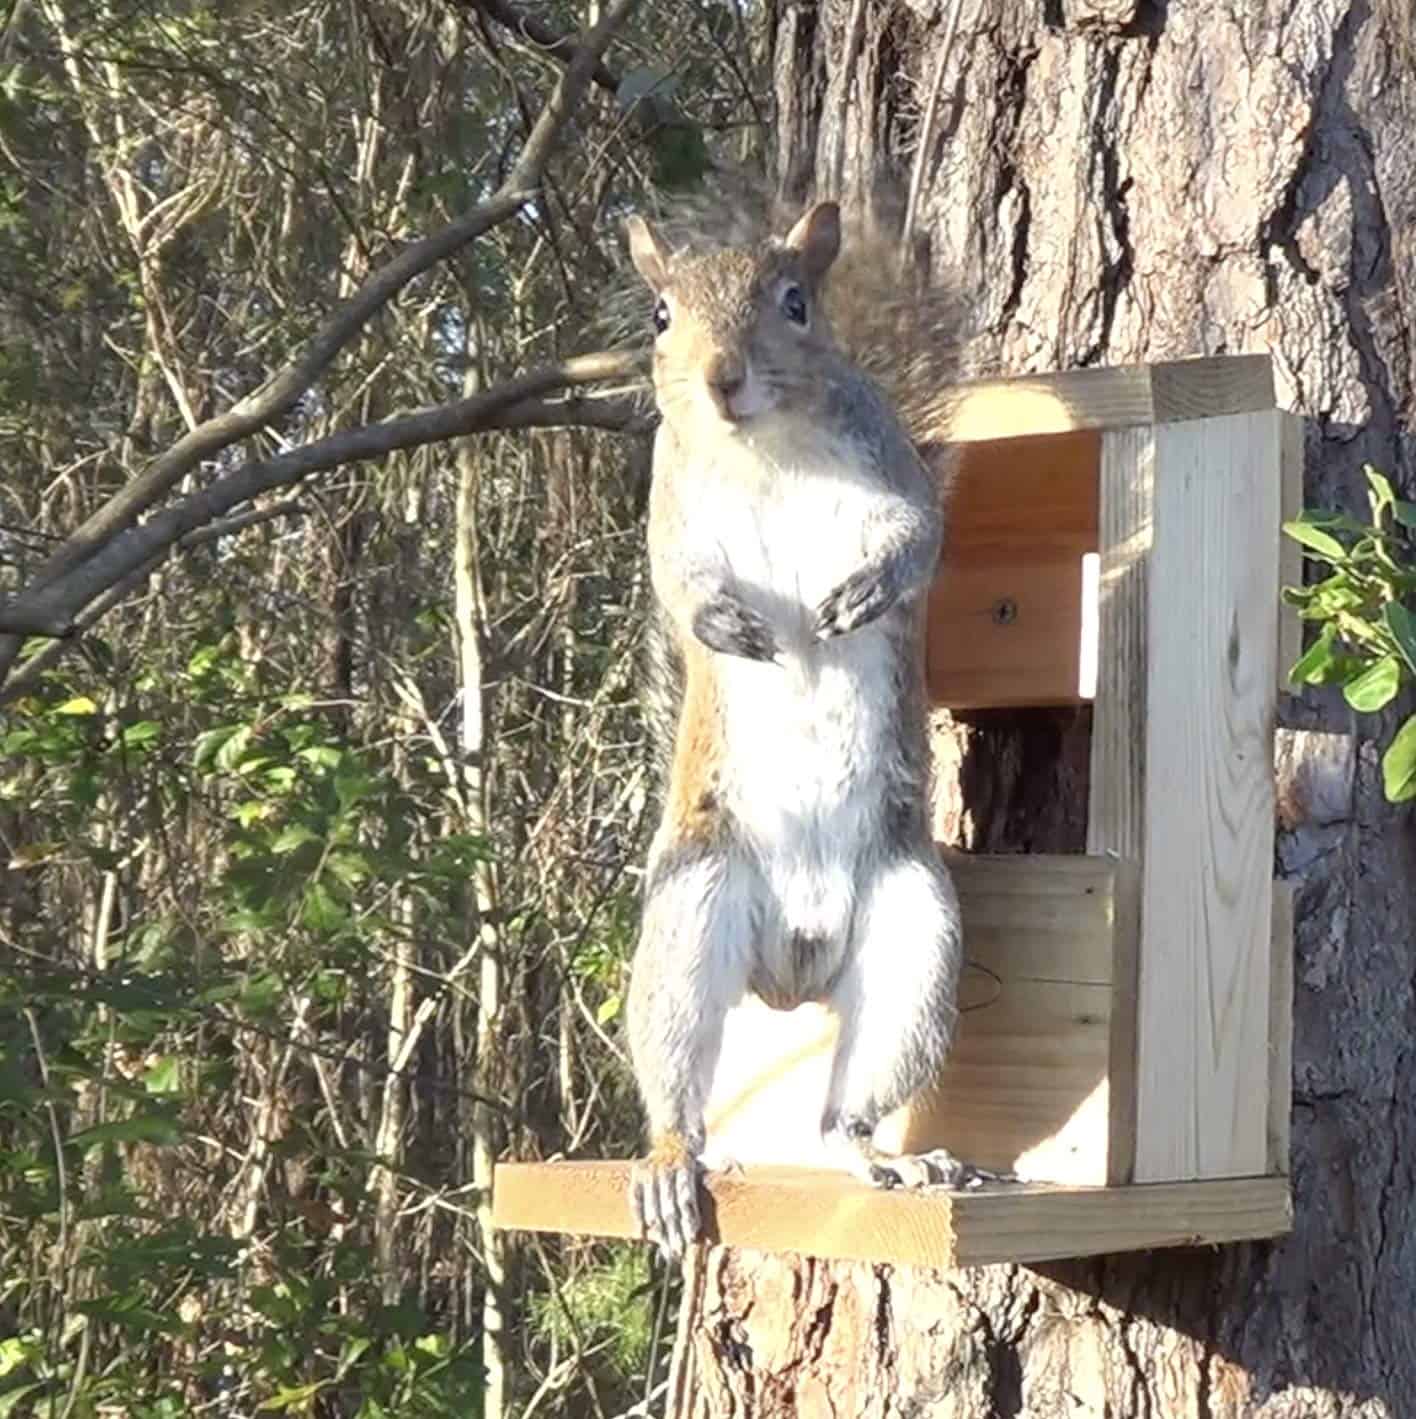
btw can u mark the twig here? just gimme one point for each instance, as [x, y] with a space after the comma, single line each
[926, 137]
[230, 525]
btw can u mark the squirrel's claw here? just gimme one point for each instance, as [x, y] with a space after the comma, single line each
[728, 626]
[863, 597]
[938, 1168]
[664, 1195]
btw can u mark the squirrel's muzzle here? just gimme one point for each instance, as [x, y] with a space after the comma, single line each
[726, 376]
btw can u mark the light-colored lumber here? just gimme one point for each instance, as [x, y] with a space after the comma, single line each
[1208, 799]
[1125, 996]
[1005, 611]
[1116, 398]
[1027, 1084]
[1290, 555]
[1116, 811]
[1280, 1081]
[1027, 1076]
[833, 1216]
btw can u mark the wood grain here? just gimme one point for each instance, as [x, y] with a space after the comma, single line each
[1005, 610]
[1290, 555]
[1116, 812]
[1206, 893]
[1280, 1076]
[1120, 397]
[1031, 1053]
[828, 1215]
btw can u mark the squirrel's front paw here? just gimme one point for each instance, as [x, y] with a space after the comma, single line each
[663, 1191]
[863, 597]
[724, 624]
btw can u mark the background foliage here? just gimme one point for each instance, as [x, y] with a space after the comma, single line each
[318, 848]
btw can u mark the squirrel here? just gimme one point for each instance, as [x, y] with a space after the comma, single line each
[793, 534]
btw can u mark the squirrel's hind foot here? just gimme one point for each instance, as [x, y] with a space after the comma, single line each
[937, 1168]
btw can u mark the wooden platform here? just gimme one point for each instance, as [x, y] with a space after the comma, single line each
[828, 1215]
[1125, 1037]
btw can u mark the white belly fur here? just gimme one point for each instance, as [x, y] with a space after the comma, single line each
[807, 732]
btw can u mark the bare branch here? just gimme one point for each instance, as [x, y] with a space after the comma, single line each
[125, 562]
[280, 393]
[229, 525]
[540, 34]
[17, 621]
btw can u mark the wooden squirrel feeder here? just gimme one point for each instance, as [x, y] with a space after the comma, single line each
[1125, 1046]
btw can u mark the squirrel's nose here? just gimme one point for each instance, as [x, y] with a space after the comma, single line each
[726, 378]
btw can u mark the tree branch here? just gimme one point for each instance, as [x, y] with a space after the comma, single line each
[125, 561]
[281, 392]
[540, 34]
[17, 621]
[229, 525]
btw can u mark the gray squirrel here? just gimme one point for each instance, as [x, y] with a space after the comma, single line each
[793, 535]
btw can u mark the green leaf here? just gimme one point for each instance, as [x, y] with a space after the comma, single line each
[1399, 764]
[165, 1077]
[260, 995]
[124, 1311]
[1322, 517]
[1380, 493]
[291, 837]
[296, 1397]
[80, 704]
[209, 743]
[31, 854]
[203, 660]
[1402, 625]
[1405, 512]
[609, 1009]
[1319, 544]
[233, 748]
[1308, 669]
[1374, 687]
[143, 732]
[12, 1397]
[18, 1350]
[353, 1348]
[141, 1128]
[321, 910]
[350, 868]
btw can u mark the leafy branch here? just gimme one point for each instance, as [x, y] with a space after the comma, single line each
[1367, 637]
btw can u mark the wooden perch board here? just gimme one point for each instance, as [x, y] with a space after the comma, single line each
[833, 1216]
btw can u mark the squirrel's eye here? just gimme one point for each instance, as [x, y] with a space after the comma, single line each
[794, 305]
[661, 316]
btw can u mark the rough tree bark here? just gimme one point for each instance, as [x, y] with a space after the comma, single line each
[1122, 182]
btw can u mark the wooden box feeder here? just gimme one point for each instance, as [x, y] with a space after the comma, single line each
[1114, 538]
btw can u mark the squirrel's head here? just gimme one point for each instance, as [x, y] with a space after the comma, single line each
[736, 328]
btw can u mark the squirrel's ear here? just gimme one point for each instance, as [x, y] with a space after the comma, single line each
[648, 254]
[817, 237]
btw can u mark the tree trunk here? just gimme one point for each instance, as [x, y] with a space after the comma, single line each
[1120, 182]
